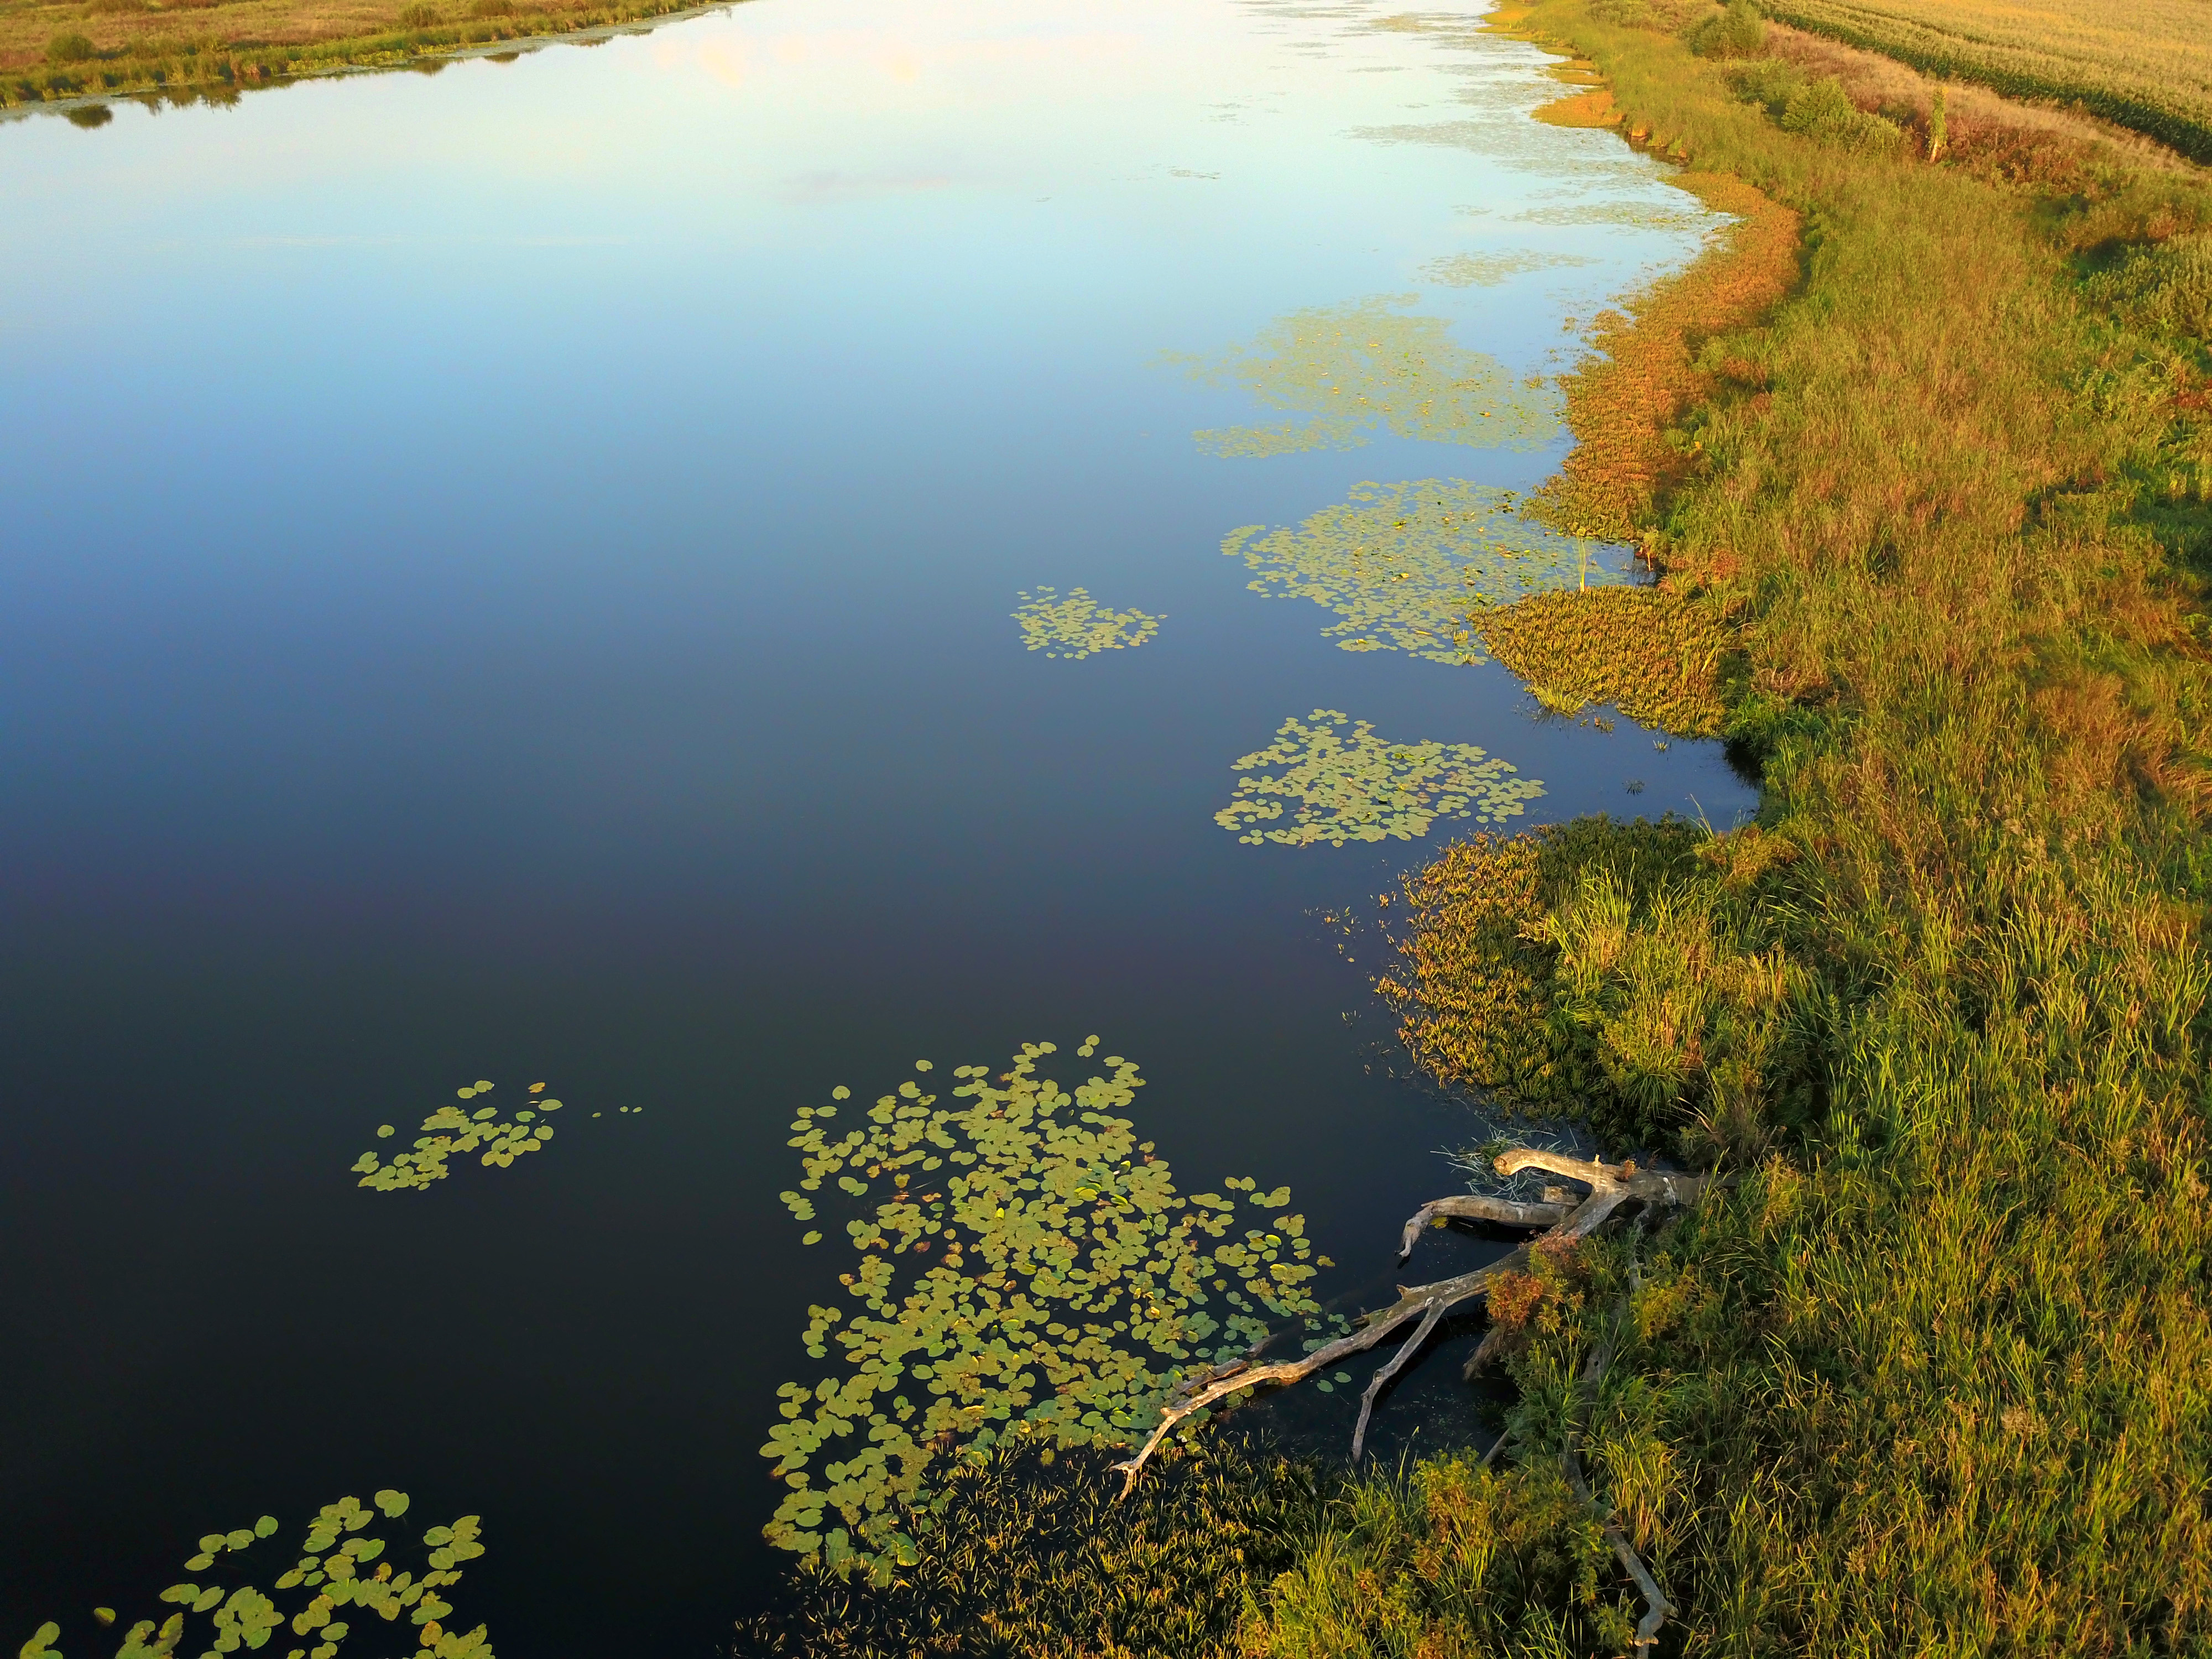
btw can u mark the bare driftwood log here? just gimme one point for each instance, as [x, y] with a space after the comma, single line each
[1611, 1186]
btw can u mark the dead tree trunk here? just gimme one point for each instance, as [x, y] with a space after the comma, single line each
[1611, 1186]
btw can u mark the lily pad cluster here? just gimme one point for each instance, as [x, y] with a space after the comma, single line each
[341, 1578]
[1487, 270]
[1354, 367]
[1412, 567]
[1338, 785]
[454, 1131]
[1025, 1269]
[1078, 625]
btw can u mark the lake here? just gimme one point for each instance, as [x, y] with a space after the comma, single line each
[509, 575]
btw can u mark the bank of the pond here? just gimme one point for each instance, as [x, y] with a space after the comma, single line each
[74, 58]
[1932, 1373]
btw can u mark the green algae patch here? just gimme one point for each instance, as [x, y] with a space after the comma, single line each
[1411, 566]
[456, 1130]
[1078, 625]
[339, 1576]
[1352, 369]
[1024, 1272]
[1337, 785]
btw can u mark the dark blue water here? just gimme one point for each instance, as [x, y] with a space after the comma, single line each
[506, 575]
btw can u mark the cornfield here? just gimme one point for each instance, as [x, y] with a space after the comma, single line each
[2146, 65]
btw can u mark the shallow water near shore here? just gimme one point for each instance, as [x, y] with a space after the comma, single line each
[508, 574]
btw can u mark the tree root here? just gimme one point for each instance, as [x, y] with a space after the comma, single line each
[1611, 1186]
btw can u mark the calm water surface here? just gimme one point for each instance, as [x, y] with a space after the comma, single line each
[506, 575]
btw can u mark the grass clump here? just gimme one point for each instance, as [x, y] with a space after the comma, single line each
[1651, 653]
[1452, 1560]
[2164, 288]
[1817, 107]
[1628, 973]
[69, 47]
[1736, 31]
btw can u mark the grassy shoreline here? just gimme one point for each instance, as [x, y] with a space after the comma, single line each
[73, 58]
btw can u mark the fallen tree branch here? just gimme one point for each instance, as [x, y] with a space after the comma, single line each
[1381, 1380]
[1656, 1605]
[1611, 1186]
[1474, 1206]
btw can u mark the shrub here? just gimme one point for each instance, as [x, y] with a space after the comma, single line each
[66, 48]
[1738, 32]
[1819, 110]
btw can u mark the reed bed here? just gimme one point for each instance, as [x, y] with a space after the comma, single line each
[1935, 1374]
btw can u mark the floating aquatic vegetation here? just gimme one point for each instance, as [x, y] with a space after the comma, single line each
[1353, 367]
[1056, 1285]
[1641, 216]
[1078, 625]
[1653, 655]
[1356, 786]
[331, 1574]
[453, 1131]
[1408, 565]
[1487, 270]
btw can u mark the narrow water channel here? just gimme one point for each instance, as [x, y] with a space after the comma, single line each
[508, 574]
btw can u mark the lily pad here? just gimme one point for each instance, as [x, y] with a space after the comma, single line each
[1077, 626]
[1339, 785]
[1413, 567]
[1069, 1293]
[1352, 369]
